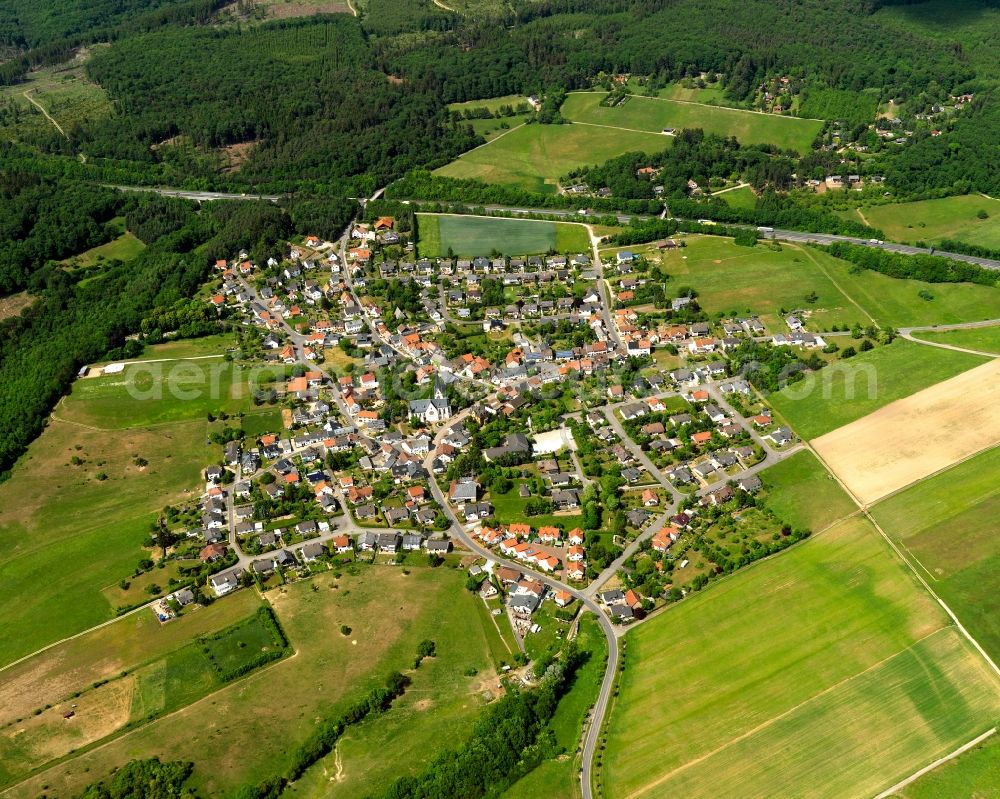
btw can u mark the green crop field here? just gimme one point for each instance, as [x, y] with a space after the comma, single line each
[848, 390]
[983, 339]
[536, 156]
[741, 280]
[802, 493]
[654, 114]
[947, 526]
[477, 235]
[972, 775]
[492, 104]
[933, 220]
[850, 680]
[389, 613]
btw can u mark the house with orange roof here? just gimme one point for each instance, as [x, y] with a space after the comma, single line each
[575, 536]
[519, 530]
[341, 544]
[576, 571]
[548, 564]
[700, 395]
[562, 598]
[549, 535]
[384, 223]
[650, 498]
[701, 438]
[576, 554]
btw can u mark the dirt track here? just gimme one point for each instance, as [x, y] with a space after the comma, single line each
[916, 436]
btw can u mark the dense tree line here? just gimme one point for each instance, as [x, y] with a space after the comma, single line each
[144, 779]
[929, 268]
[42, 219]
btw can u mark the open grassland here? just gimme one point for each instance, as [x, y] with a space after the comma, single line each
[289, 9]
[536, 156]
[159, 670]
[389, 613]
[982, 339]
[124, 248]
[923, 434]
[654, 114]
[741, 280]
[850, 680]
[66, 534]
[905, 303]
[742, 197]
[63, 91]
[945, 218]
[448, 693]
[161, 392]
[947, 525]
[974, 774]
[848, 390]
[802, 493]
[477, 235]
[491, 104]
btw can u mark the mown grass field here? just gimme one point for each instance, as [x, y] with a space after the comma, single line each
[654, 114]
[849, 389]
[477, 235]
[983, 339]
[945, 218]
[389, 613]
[972, 775]
[536, 156]
[742, 197]
[802, 493]
[163, 392]
[947, 525]
[743, 280]
[851, 679]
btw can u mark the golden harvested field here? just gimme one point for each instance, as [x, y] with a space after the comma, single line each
[917, 436]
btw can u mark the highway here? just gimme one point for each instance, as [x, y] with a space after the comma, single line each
[624, 219]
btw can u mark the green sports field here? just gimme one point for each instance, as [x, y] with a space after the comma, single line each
[825, 672]
[536, 156]
[947, 526]
[983, 339]
[848, 390]
[477, 235]
[945, 218]
[654, 114]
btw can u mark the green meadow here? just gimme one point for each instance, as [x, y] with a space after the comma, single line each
[388, 611]
[123, 248]
[477, 235]
[802, 493]
[825, 672]
[947, 525]
[534, 157]
[972, 775]
[946, 218]
[983, 339]
[742, 280]
[849, 389]
[654, 114]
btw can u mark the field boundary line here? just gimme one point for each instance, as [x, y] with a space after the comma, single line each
[124, 732]
[927, 587]
[836, 285]
[617, 127]
[912, 337]
[940, 761]
[707, 105]
[765, 724]
[488, 143]
[73, 637]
